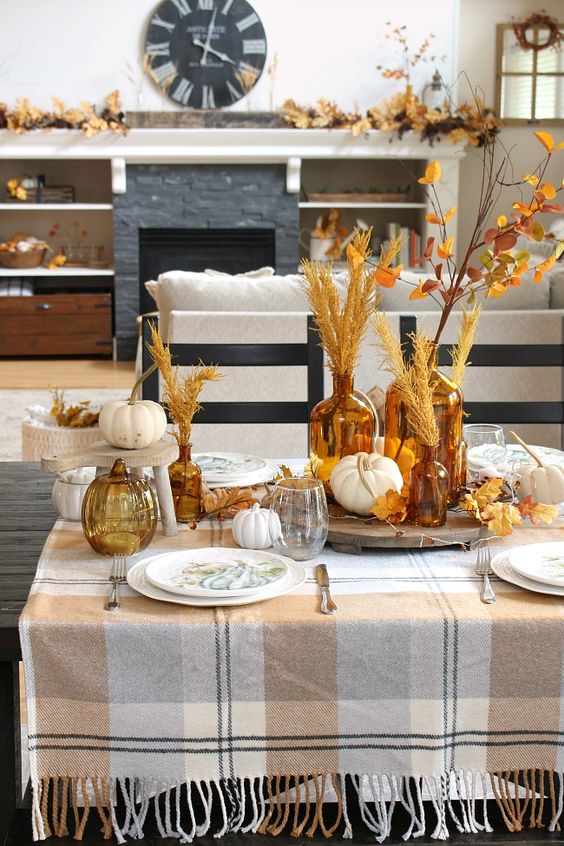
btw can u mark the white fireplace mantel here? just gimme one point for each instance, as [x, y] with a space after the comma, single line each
[220, 146]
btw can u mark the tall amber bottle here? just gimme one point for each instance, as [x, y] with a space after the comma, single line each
[341, 425]
[400, 442]
[186, 485]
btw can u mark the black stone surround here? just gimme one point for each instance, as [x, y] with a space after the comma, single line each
[195, 197]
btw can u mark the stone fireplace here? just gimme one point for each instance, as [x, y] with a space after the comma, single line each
[200, 210]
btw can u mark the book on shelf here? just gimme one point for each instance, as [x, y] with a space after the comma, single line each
[410, 243]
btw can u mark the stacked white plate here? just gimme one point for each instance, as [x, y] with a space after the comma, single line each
[233, 469]
[537, 566]
[211, 576]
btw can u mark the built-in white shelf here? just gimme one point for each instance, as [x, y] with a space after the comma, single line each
[58, 271]
[329, 205]
[56, 207]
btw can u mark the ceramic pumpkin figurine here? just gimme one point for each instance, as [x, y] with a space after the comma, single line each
[357, 480]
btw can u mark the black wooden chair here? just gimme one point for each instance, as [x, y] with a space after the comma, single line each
[308, 354]
[505, 355]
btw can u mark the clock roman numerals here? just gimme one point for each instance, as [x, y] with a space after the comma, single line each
[164, 73]
[225, 10]
[246, 69]
[245, 23]
[161, 49]
[208, 98]
[205, 4]
[158, 21]
[234, 93]
[256, 45]
[182, 7]
[183, 91]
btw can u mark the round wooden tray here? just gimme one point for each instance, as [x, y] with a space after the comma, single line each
[353, 534]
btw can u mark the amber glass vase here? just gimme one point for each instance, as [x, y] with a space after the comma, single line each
[428, 490]
[341, 425]
[186, 484]
[119, 512]
[400, 442]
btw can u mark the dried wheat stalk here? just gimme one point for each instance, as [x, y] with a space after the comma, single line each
[342, 327]
[180, 394]
[413, 382]
[459, 354]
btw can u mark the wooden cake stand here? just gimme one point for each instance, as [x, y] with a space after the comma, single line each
[101, 455]
[353, 534]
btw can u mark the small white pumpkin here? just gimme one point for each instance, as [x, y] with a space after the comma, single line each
[255, 527]
[133, 424]
[543, 482]
[358, 479]
[68, 492]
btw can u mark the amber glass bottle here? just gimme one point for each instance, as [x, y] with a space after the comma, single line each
[341, 425]
[428, 490]
[186, 484]
[400, 442]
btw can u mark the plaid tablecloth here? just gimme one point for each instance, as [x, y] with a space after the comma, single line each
[414, 690]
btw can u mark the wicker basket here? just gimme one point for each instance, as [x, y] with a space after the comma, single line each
[17, 261]
[45, 441]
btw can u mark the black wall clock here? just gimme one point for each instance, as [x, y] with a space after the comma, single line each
[205, 54]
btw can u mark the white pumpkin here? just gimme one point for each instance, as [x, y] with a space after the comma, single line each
[255, 527]
[543, 482]
[68, 492]
[132, 425]
[358, 479]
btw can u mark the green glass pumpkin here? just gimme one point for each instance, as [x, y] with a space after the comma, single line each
[119, 512]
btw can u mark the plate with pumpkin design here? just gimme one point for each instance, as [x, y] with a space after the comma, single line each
[213, 572]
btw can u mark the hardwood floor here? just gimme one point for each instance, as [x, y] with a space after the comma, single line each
[66, 373]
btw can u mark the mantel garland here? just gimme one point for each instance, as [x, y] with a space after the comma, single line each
[26, 118]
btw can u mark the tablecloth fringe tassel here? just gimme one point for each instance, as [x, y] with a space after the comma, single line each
[296, 803]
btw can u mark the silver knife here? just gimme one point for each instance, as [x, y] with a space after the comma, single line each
[327, 604]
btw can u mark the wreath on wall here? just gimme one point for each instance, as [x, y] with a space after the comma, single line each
[538, 19]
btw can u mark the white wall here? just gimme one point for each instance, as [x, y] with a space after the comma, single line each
[476, 56]
[83, 49]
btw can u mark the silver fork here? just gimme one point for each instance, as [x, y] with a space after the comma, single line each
[117, 577]
[484, 569]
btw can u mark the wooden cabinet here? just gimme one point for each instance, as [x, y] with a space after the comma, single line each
[56, 324]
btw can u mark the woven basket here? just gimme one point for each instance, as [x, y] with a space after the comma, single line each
[46, 441]
[33, 258]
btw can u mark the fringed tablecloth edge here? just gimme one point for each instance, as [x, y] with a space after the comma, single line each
[263, 804]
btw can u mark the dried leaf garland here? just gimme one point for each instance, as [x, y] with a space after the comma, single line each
[224, 502]
[26, 118]
[501, 517]
[392, 506]
[74, 416]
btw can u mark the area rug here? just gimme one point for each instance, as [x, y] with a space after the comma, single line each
[15, 402]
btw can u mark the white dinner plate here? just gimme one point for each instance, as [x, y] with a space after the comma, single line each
[193, 572]
[493, 456]
[541, 562]
[265, 475]
[502, 568]
[220, 466]
[138, 580]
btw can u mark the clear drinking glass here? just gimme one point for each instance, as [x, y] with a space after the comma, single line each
[301, 507]
[486, 451]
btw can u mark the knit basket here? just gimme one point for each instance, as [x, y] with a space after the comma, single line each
[45, 441]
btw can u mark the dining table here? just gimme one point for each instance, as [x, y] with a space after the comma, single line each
[414, 711]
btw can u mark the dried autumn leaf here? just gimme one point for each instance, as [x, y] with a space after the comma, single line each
[537, 512]
[445, 250]
[433, 173]
[530, 178]
[548, 190]
[543, 267]
[546, 140]
[418, 293]
[501, 221]
[387, 277]
[356, 259]
[392, 507]
[468, 503]
[286, 472]
[501, 517]
[222, 500]
[488, 492]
